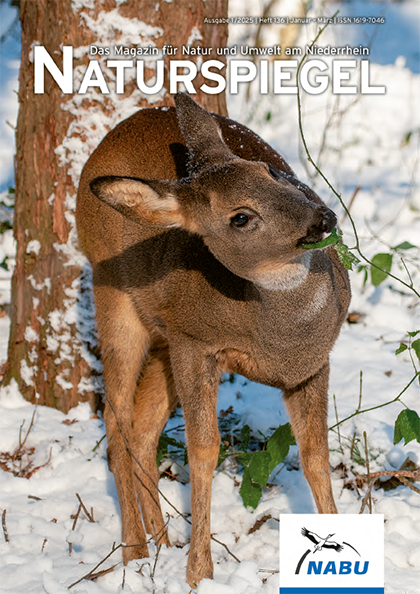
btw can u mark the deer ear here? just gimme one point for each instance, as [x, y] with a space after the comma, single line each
[154, 203]
[202, 135]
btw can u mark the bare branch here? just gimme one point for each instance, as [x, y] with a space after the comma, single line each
[4, 526]
[89, 516]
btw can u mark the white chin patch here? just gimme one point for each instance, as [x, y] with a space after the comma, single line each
[284, 277]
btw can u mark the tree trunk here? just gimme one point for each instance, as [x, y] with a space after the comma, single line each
[53, 354]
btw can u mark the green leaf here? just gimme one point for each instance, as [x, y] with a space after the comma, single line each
[5, 226]
[279, 443]
[164, 442]
[245, 458]
[416, 348]
[347, 258]
[245, 433]
[363, 268]
[333, 238]
[249, 491]
[405, 245]
[407, 137]
[224, 453]
[413, 334]
[259, 467]
[403, 347]
[384, 262]
[407, 426]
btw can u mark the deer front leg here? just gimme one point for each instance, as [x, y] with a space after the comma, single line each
[308, 408]
[197, 380]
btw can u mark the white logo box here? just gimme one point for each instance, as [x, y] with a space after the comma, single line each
[331, 554]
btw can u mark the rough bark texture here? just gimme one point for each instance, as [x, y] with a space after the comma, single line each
[47, 356]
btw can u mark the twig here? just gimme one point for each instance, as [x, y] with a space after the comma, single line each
[259, 523]
[225, 547]
[74, 526]
[369, 500]
[158, 547]
[360, 412]
[90, 574]
[10, 29]
[86, 576]
[89, 516]
[402, 476]
[43, 544]
[152, 574]
[4, 526]
[175, 428]
[406, 482]
[31, 424]
[76, 517]
[407, 271]
[398, 473]
[357, 410]
[27, 474]
[338, 427]
[98, 443]
[366, 498]
[98, 574]
[352, 199]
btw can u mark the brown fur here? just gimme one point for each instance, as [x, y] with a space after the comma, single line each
[182, 293]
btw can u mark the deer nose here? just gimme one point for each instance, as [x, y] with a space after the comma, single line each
[328, 222]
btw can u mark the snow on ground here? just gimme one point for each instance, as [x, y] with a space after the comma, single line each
[368, 143]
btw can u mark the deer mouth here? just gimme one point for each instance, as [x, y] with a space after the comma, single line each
[317, 233]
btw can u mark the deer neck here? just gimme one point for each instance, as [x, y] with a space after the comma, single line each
[283, 277]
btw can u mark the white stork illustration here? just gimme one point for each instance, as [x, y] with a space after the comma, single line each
[321, 543]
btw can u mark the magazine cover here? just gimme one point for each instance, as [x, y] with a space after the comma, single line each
[209, 296]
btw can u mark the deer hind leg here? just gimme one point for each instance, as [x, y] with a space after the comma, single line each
[308, 407]
[197, 382]
[124, 341]
[154, 400]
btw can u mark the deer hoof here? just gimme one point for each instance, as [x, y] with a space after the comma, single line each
[199, 571]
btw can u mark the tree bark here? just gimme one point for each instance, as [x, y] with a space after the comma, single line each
[53, 354]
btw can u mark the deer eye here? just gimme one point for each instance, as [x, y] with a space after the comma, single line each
[239, 220]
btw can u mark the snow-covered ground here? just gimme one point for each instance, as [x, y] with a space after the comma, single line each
[372, 141]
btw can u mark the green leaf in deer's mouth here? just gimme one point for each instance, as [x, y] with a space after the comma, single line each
[333, 238]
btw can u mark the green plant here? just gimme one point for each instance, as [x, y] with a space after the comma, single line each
[407, 425]
[169, 447]
[260, 464]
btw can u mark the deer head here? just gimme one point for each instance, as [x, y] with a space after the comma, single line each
[250, 217]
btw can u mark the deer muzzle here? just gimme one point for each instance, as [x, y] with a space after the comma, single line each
[325, 224]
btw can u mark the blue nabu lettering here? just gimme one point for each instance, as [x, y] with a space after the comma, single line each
[345, 568]
[314, 567]
[357, 567]
[330, 568]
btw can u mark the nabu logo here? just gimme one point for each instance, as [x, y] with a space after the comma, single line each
[343, 568]
[330, 567]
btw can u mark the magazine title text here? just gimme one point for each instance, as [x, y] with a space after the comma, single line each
[347, 76]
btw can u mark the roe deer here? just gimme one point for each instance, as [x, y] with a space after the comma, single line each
[194, 226]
